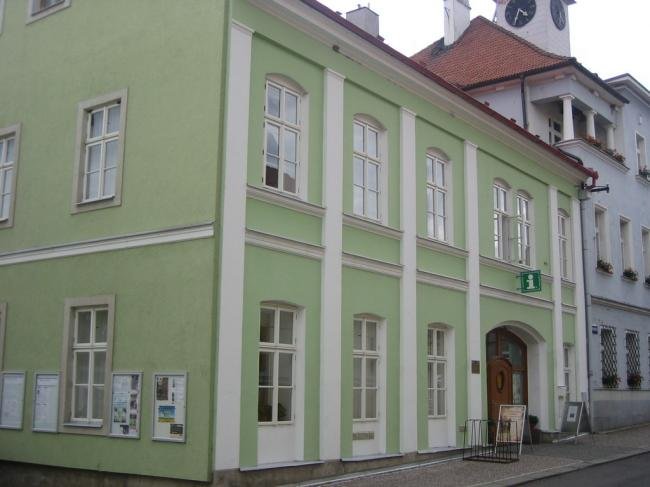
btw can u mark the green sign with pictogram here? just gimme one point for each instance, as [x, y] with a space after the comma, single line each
[530, 281]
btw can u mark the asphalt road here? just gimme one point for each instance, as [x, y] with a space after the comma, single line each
[631, 472]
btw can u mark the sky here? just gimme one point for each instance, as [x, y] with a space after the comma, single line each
[609, 37]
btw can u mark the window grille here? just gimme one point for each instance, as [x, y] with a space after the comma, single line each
[608, 356]
[632, 352]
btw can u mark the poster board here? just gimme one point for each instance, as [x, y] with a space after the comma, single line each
[170, 395]
[46, 402]
[126, 405]
[12, 396]
[515, 415]
[575, 419]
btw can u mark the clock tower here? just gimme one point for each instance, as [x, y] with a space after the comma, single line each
[544, 23]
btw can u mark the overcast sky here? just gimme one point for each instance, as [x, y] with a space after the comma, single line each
[609, 37]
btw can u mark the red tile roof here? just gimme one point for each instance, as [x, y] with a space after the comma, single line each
[486, 52]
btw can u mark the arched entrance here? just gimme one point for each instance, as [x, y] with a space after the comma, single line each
[507, 370]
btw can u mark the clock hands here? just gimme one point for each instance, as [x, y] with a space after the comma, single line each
[518, 12]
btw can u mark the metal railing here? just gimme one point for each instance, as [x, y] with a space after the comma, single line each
[491, 441]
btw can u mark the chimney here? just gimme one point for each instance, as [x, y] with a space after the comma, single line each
[456, 19]
[365, 19]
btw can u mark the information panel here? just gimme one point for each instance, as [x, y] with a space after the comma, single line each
[46, 402]
[12, 395]
[170, 393]
[510, 428]
[125, 404]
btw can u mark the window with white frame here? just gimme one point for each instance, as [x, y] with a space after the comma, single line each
[600, 226]
[277, 352]
[641, 154]
[645, 248]
[3, 325]
[524, 229]
[564, 244]
[365, 365]
[37, 9]
[282, 134]
[8, 160]
[101, 126]
[626, 250]
[608, 362]
[436, 372]
[437, 189]
[87, 362]
[648, 353]
[366, 169]
[568, 369]
[554, 131]
[501, 222]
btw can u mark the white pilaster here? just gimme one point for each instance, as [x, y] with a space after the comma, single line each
[474, 389]
[582, 379]
[567, 117]
[591, 123]
[408, 287]
[233, 228]
[558, 337]
[610, 136]
[330, 353]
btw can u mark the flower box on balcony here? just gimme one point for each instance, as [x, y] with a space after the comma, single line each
[605, 266]
[611, 381]
[631, 274]
[634, 381]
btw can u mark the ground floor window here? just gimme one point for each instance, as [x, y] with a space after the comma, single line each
[365, 362]
[437, 372]
[608, 357]
[633, 359]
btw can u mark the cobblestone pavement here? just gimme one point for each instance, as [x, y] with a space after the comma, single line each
[536, 462]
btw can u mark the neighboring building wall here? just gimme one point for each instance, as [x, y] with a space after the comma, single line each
[153, 250]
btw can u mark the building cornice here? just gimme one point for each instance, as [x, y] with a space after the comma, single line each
[507, 266]
[493, 292]
[371, 265]
[610, 303]
[438, 280]
[284, 245]
[441, 247]
[372, 227]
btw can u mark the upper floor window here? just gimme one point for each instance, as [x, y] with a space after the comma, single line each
[436, 371]
[437, 200]
[282, 133]
[554, 131]
[602, 243]
[37, 9]
[626, 245]
[365, 368]
[641, 154]
[645, 248]
[100, 132]
[501, 221]
[367, 169]
[9, 138]
[277, 352]
[563, 241]
[524, 229]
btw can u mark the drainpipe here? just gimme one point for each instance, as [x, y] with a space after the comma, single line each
[524, 107]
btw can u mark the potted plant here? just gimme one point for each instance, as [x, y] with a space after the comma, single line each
[634, 380]
[647, 281]
[605, 266]
[535, 432]
[644, 172]
[594, 141]
[611, 381]
[619, 157]
[631, 274]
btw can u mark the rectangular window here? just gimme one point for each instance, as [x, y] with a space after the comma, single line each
[602, 251]
[100, 156]
[554, 131]
[37, 9]
[436, 198]
[3, 327]
[626, 251]
[633, 359]
[87, 362]
[501, 223]
[366, 170]
[563, 237]
[524, 230]
[277, 351]
[645, 247]
[9, 140]
[365, 369]
[436, 372]
[608, 356]
[568, 370]
[641, 154]
[282, 138]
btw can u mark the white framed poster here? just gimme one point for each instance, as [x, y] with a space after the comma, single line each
[126, 390]
[170, 395]
[46, 402]
[12, 395]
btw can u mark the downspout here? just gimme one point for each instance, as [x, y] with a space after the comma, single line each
[524, 104]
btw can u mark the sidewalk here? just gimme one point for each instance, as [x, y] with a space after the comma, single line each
[540, 461]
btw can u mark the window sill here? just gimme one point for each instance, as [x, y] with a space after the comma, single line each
[362, 421]
[643, 180]
[34, 16]
[372, 226]
[90, 205]
[283, 423]
[437, 417]
[628, 280]
[284, 200]
[84, 425]
[604, 273]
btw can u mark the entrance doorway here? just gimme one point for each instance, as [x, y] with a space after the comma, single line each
[507, 370]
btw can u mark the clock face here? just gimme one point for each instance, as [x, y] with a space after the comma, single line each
[558, 13]
[520, 12]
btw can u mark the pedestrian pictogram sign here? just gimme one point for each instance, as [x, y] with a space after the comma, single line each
[531, 281]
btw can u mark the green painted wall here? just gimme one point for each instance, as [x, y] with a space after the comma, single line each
[163, 323]
[569, 328]
[283, 222]
[441, 306]
[274, 276]
[368, 293]
[568, 295]
[173, 114]
[438, 263]
[361, 242]
[509, 281]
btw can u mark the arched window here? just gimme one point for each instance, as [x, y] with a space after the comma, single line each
[438, 179]
[283, 127]
[368, 155]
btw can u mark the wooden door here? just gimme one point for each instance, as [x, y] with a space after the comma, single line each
[499, 372]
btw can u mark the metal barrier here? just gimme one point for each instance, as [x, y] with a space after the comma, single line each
[491, 441]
